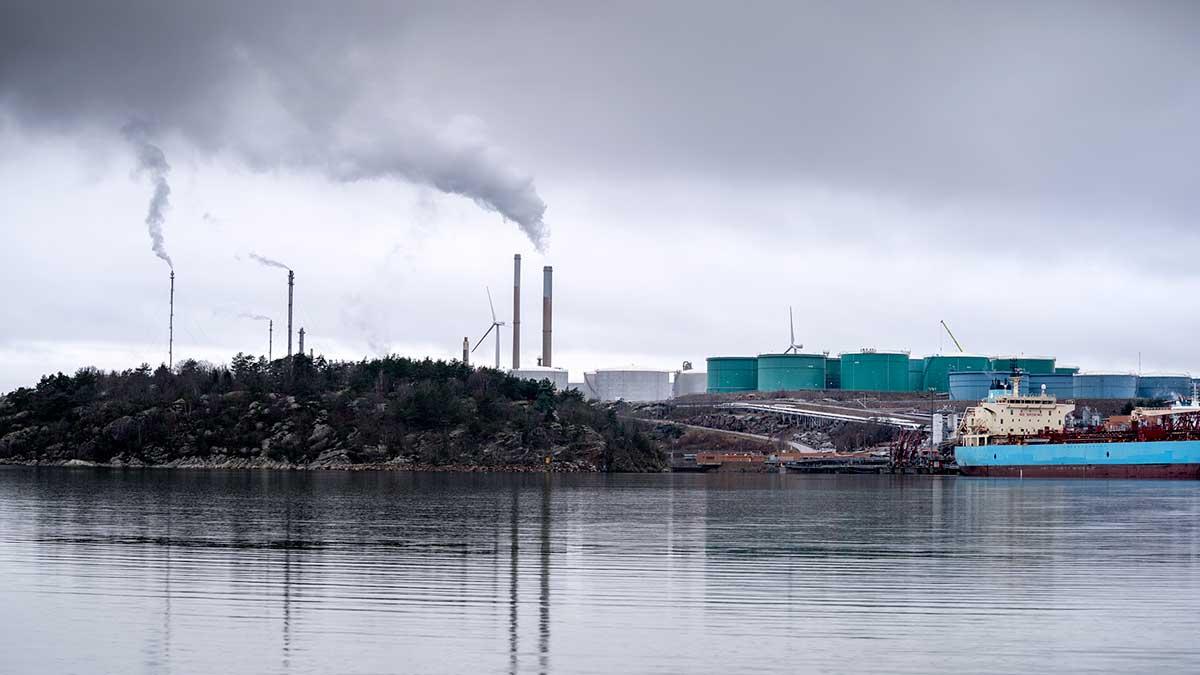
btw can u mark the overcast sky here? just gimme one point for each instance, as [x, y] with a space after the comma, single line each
[1025, 171]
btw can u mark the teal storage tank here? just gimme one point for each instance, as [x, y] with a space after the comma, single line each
[727, 374]
[1030, 365]
[938, 368]
[790, 372]
[1066, 370]
[833, 373]
[870, 370]
[916, 374]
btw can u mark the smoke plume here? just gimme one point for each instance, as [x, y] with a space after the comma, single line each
[318, 93]
[255, 317]
[263, 260]
[152, 162]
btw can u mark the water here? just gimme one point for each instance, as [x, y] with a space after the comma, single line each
[107, 571]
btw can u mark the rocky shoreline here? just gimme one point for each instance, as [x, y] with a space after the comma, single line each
[274, 465]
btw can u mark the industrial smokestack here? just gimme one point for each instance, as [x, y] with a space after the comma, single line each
[466, 352]
[516, 336]
[300, 351]
[291, 286]
[171, 326]
[270, 338]
[547, 313]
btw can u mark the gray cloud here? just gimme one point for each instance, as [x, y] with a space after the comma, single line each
[278, 84]
[882, 165]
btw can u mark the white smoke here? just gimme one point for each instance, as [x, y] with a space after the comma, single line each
[255, 317]
[263, 260]
[306, 94]
[457, 159]
[153, 162]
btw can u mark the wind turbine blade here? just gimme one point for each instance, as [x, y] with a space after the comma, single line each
[490, 305]
[792, 325]
[489, 332]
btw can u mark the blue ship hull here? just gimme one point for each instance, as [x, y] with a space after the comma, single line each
[1158, 459]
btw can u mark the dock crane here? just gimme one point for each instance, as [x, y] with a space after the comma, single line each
[948, 332]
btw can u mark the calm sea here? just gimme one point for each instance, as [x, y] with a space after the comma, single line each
[155, 571]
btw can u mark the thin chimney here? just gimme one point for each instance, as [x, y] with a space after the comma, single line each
[270, 338]
[291, 286]
[300, 351]
[547, 313]
[171, 327]
[516, 336]
[466, 352]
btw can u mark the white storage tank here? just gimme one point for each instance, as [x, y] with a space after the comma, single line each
[688, 382]
[629, 384]
[557, 376]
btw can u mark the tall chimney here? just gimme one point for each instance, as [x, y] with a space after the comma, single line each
[270, 338]
[291, 285]
[171, 327]
[466, 352]
[547, 297]
[516, 335]
[300, 351]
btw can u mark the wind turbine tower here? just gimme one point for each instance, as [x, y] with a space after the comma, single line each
[494, 327]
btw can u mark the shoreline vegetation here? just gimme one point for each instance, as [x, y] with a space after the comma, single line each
[299, 413]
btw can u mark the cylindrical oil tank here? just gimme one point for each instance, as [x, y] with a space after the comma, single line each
[630, 384]
[1066, 370]
[557, 376]
[1105, 385]
[1165, 386]
[833, 372]
[728, 374]
[689, 382]
[791, 372]
[1030, 365]
[939, 366]
[974, 385]
[916, 374]
[1058, 385]
[871, 370]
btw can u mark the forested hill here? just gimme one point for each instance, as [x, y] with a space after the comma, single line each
[299, 412]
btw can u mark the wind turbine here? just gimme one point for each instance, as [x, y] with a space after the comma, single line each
[494, 327]
[793, 348]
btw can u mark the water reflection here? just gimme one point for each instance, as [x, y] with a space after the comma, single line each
[295, 572]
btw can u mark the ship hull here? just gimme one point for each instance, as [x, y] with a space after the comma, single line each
[1155, 459]
[1158, 471]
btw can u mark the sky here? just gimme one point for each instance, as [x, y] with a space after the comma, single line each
[1025, 171]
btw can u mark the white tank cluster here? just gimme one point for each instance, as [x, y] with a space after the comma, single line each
[689, 382]
[557, 376]
[628, 384]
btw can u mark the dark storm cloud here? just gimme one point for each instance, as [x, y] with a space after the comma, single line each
[1086, 108]
[281, 84]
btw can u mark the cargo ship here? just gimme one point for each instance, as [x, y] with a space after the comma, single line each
[1016, 435]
